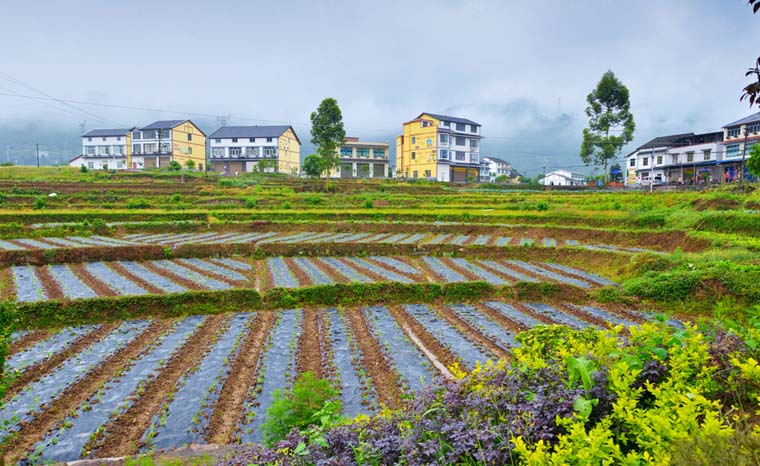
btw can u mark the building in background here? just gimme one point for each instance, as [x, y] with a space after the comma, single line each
[269, 149]
[159, 143]
[686, 158]
[738, 137]
[362, 159]
[104, 149]
[494, 168]
[439, 147]
[563, 178]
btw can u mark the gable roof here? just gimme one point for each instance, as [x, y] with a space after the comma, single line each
[750, 119]
[252, 132]
[665, 141]
[496, 159]
[164, 124]
[450, 118]
[107, 132]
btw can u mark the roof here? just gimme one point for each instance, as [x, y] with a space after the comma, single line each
[750, 119]
[106, 132]
[665, 141]
[365, 143]
[252, 132]
[496, 159]
[681, 140]
[164, 124]
[450, 118]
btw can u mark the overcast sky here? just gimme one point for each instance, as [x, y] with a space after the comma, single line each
[520, 68]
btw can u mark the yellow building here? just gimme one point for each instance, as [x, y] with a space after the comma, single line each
[159, 143]
[270, 149]
[439, 147]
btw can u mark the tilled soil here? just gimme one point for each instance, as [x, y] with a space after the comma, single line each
[229, 405]
[501, 319]
[584, 316]
[302, 277]
[34, 430]
[147, 286]
[28, 340]
[122, 435]
[410, 324]
[97, 286]
[52, 289]
[310, 350]
[471, 332]
[332, 273]
[214, 275]
[176, 278]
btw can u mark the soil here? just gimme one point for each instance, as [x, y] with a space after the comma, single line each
[176, 278]
[27, 341]
[310, 350]
[384, 379]
[410, 324]
[52, 289]
[147, 286]
[332, 273]
[214, 275]
[264, 277]
[122, 435]
[422, 266]
[584, 316]
[97, 286]
[716, 204]
[302, 277]
[375, 277]
[501, 319]
[34, 430]
[526, 310]
[229, 405]
[461, 270]
[471, 332]
[38, 370]
[380, 264]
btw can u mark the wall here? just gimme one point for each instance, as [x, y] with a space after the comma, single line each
[289, 149]
[184, 150]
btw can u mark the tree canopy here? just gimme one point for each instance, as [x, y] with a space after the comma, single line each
[610, 124]
[752, 90]
[327, 133]
[312, 166]
[753, 163]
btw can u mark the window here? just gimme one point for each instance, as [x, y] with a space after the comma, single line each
[362, 151]
[190, 150]
[460, 126]
[378, 152]
[659, 160]
[269, 139]
[753, 127]
[189, 137]
[474, 143]
[414, 139]
[346, 152]
[251, 151]
[119, 164]
[424, 123]
[674, 158]
[732, 150]
[444, 139]
[445, 124]
[103, 139]
[118, 150]
[645, 161]
[414, 156]
[270, 152]
[89, 150]
[414, 174]
[235, 151]
[444, 154]
[90, 165]
[474, 129]
[137, 148]
[459, 155]
[733, 132]
[165, 148]
[165, 134]
[689, 156]
[103, 150]
[707, 153]
[149, 134]
[89, 139]
[118, 138]
[217, 152]
[136, 135]
[459, 141]
[251, 139]
[632, 163]
[200, 167]
[474, 157]
[217, 141]
[234, 139]
[427, 173]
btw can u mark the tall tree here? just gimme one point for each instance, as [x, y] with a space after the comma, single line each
[327, 133]
[610, 124]
[752, 91]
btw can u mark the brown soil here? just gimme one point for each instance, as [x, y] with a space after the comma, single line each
[97, 286]
[301, 276]
[178, 279]
[716, 204]
[526, 310]
[28, 341]
[122, 435]
[384, 379]
[470, 240]
[501, 319]
[264, 277]
[410, 324]
[118, 268]
[461, 270]
[332, 273]
[375, 277]
[527, 272]
[471, 332]
[384, 266]
[32, 431]
[623, 311]
[508, 278]
[422, 266]
[52, 289]
[229, 405]
[310, 351]
[213, 275]
[38, 370]
[584, 316]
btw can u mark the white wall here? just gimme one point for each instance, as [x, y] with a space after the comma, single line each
[98, 163]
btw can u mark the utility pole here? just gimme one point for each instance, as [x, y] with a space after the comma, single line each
[744, 155]
[544, 179]
[38, 154]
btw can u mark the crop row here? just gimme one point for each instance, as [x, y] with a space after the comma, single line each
[165, 383]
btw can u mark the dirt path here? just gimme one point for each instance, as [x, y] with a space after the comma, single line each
[310, 352]
[100, 288]
[417, 331]
[52, 289]
[229, 405]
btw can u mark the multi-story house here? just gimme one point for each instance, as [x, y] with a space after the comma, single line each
[271, 149]
[104, 149]
[738, 137]
[439, 147]
[686, 158]
[563, 178]
[362, 159]
[161, 142]
[495, 167]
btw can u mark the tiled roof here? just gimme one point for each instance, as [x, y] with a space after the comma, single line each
[252, 132]
[750, 119]
[450, 118]
[164, 124]
[106, 132]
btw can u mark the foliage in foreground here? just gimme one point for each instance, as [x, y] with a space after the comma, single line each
[656, 395]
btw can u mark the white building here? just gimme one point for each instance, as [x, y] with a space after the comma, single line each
[104, 149]
[362, 159]
[239, 149]
[494, 167]
[563, 178]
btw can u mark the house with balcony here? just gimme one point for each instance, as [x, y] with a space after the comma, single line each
[104, 149]
[738, 137]
[494, 167]
[685, 158]
[161, 142]
[362, 159]
[268, 149]
[439, 147]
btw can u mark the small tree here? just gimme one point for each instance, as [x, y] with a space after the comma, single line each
[753, 163]
[175, 166]
[327, 133]
[312, 166]
[83, 168]
[609, 112]
[190, 164]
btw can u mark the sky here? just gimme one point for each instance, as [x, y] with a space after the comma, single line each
[522, 69]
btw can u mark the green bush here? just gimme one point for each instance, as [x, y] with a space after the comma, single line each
[39, 203]
[304, 405]
[83, 168]
[368, 204]
[175, 198]
[138, 203]
[174, 166]
[251, 202]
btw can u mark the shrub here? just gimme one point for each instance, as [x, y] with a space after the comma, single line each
[175, 198]
[83, 168]
[286, 205]
[39, 203]
[138, 203]
[368, 204]
[298, 407]
[542, 205]
[251, 202]
[175, 166]
[190, 164]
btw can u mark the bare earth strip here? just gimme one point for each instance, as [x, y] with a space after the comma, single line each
[332, 273]
[302, 277]
[263, 277]
[310, 351]
[530, 312]
[35, 429]
[383, 378]
[470, 332]
[427, 271]
[583, 316]
[363, 270]
[52, 289]
[176, 278]
[410, 325]
[214, 275]
[122, 435]
[100, 288]
[501, 319]
[471, 277]
[229, 405]
[38, 370]
[147, 286]
[415, 278]
[31, 338]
